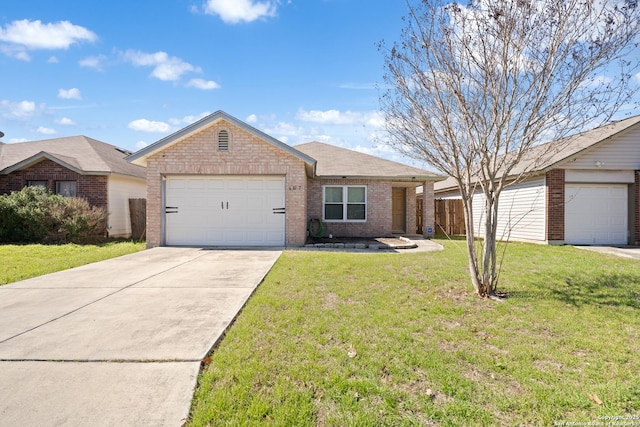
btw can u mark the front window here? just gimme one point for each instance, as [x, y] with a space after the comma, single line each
[66, 188]
[345, 203]
[36, 183]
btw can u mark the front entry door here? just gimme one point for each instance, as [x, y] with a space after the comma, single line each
[398, 210]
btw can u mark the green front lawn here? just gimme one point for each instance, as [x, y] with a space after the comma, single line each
[564, 347]
[19, 262]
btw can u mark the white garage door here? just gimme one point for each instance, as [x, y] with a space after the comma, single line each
[596, 214]
[224, 211]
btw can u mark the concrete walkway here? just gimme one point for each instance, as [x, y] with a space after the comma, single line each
[119, 342]
[405, 245]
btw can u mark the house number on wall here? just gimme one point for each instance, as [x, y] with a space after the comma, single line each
[295, 187]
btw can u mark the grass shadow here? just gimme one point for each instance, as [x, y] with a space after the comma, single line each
[602, 289]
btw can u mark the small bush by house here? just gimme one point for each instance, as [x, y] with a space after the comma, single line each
[34, 214]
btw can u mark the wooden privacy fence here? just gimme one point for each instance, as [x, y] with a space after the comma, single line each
[138, 216]
[449, 217]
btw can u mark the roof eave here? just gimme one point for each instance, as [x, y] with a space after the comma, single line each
[140, 157]
[38, 157]
[405, 178]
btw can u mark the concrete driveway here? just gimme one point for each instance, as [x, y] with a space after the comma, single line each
[119, 342]
[621, 251]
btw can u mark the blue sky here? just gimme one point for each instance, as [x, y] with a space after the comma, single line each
[130, 72]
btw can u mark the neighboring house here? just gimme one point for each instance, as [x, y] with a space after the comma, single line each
[76, 166]
[587, 193]
[221, 182]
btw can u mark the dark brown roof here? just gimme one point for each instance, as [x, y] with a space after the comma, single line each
[82, 154]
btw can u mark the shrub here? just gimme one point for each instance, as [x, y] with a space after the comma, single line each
[23, 215]
[34, 214]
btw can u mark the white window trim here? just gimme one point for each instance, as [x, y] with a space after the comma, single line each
[345, 203]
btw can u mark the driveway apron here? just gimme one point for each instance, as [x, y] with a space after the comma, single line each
[119, 342]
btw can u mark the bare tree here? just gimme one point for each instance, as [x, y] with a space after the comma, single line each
[474, 87]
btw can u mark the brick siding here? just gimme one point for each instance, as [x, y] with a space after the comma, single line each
[555, 184]
[379, 218]
[93, 188]
[379, 208]
[410, 211]
[636, 210]
[428, 208]
[248, 155]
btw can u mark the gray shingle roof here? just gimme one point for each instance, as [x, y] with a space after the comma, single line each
[334, 161]
[555, 152]
[80, 153]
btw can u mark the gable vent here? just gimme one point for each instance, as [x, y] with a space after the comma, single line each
[223, 140]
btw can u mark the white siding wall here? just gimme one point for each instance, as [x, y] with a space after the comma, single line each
[521, 212]
[120, 189]
[619, 153]
[600, 177]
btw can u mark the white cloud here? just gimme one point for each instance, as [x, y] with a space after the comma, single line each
[325, 117]
[236, 11]
[187, 120]
[282, 129]
[165, 67]
[17, 52]
[358, 86]
[375, 119]
[66, 122]
[144, 125]
[95, 62]
[203, 84]
[36, 35]
[140, 145]
[597, 81]
[17, 140]
[336, 117]
[73, 93]
[20, 110]
[252, 118]
[45, 131]
[52, 60]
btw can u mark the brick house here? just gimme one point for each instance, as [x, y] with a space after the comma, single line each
[587, 192]
[76, 166]
[221, 182]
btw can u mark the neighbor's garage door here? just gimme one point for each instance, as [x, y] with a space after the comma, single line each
[224, 211]
[596, 214]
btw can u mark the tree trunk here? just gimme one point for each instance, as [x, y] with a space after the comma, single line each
[489, 251]
[467, 204]
[483, 270]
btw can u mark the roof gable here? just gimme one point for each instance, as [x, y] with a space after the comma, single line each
[557, 153]
[574, 145]
[81, 154]
[340, 162]
[67, 162]
[140, 157]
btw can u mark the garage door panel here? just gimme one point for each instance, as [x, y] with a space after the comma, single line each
[596, 214]
[212, 235]
[225, 211]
